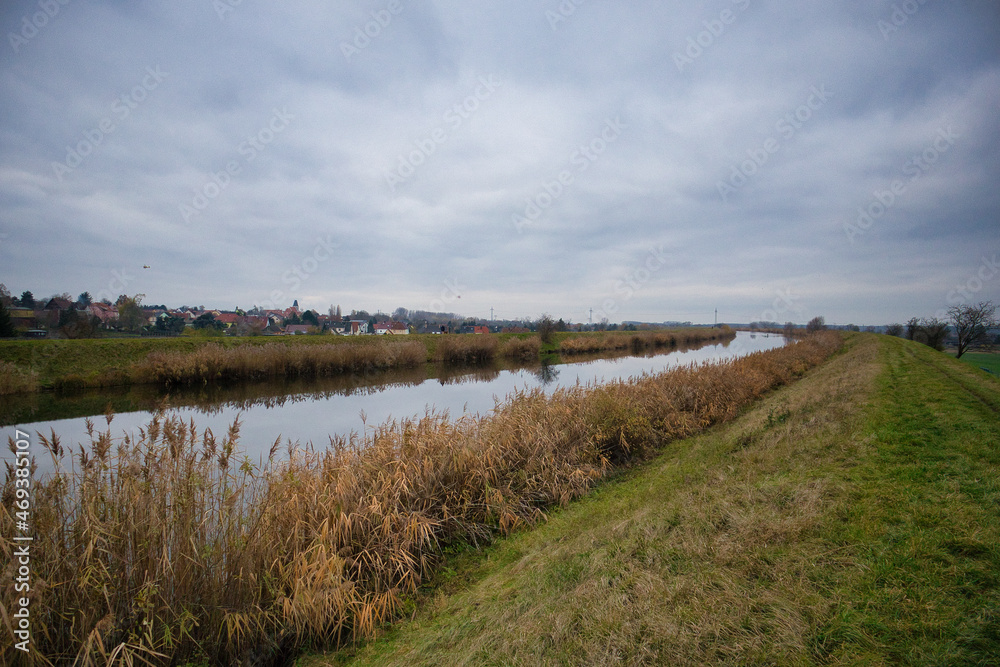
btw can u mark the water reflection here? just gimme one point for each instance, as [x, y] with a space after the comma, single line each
[547, 373]
[310, 411]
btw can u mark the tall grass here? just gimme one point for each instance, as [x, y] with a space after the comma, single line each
[521, 349]
[14, 380]
[467, 348]
[216, 363]
[172, 546]
[642, 340]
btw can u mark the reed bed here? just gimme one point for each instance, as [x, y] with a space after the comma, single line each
[521, 349]
[641, 341]
[467, 348]
[13, 380]
[172, 546]
[215, 363]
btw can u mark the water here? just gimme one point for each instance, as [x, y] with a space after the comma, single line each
[305, 413]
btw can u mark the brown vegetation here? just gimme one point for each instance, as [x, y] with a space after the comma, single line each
[172, 546]
[215, 363]
[13, 380]
[521, 349]
[642, 340]
[467, 348]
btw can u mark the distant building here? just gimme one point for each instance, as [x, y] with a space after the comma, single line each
[391, 329]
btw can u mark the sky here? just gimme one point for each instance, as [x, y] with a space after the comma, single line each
[589, 159]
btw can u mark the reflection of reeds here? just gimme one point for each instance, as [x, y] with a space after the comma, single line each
[215, 363]
[641, 341]
[173, 547]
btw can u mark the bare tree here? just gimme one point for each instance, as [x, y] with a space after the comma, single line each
[912, 328]
[816, 324]
[973, 324]
[894, 330]
[546, 327]
[933, 332]
[789, 330]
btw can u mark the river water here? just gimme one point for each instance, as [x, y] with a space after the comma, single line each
[309, 413]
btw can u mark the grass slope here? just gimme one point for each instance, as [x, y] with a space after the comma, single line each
[850, 518]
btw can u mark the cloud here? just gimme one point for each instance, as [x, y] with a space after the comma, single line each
[411, 136]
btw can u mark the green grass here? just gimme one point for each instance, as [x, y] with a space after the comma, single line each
[987, 360]
[850, 518]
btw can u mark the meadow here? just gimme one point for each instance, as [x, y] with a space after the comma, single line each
[172, 547]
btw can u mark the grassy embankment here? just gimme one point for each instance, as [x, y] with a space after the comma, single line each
[171, 546]
[850, 518]
[32, 365]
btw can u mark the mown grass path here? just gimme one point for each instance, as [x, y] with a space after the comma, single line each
[850, 518]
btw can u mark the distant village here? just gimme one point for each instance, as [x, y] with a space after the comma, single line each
[62, 316]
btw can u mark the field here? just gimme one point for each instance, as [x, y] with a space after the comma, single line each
[174, 547]
[850, 518]
[983, 360]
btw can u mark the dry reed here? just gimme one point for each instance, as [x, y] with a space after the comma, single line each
[216, 363]
[172, 546]
[13, 380]
[467, 348]
[642, 340]
[521, 349]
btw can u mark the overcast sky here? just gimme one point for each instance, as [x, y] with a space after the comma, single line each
[648, 160]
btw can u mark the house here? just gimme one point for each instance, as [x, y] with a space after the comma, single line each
[228, 319]
[299, 329]
[104, 312]
[58, 303]
[23, 318]
[391, 328]
[351, 328]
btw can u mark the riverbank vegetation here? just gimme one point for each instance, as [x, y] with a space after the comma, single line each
[172, 546]
[64, 365]
[850, 518]
[642, 341]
